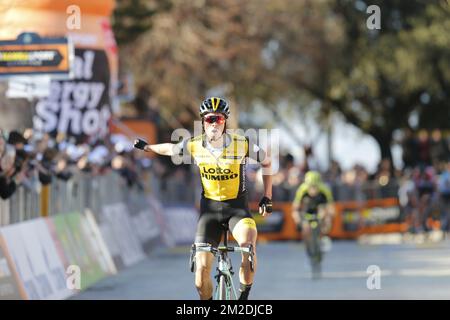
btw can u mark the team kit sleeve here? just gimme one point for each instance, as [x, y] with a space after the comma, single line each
[328, 194]
[299, 195]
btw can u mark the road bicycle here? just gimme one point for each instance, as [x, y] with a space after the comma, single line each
[313, 245]
[225, 289]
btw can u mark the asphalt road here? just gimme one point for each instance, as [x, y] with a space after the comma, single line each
[408, 271]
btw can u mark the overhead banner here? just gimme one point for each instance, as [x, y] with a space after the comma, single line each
[30, 54]
[81, 106]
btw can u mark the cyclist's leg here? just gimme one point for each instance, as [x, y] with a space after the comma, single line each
[208, 231]
[325, 221]
[325, 228]
[245, 233]
[203, 281]
[306, 236]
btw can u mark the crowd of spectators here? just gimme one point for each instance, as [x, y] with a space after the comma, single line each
[424, 191]
[422, 185]
[32, 160]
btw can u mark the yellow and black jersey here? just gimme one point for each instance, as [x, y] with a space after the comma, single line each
[223, 174]
[311, 204]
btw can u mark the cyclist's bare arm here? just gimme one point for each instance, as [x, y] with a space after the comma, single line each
[297, 205]
[267, 177]
[165, 149]
[322, 211]
[326, 210]
[296, 212]
[330, 209]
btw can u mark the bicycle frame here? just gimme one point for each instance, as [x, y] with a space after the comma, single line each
[225, 289]
[313, 245]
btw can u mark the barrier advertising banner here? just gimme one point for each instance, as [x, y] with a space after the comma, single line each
[44, 255]
[82, 232]
[38, 265]
[143, 221]
[157, 211]
[273, 223]
[10, 284]
[97, 238]
[351, 219]
[34, 289]
[77, 247]
[119, 231]
[182, 224]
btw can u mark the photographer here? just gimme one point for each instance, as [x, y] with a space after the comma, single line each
[7, 170]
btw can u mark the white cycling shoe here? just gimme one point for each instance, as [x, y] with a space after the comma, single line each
[325, 244]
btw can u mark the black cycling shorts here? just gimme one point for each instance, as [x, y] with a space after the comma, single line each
[213, 214]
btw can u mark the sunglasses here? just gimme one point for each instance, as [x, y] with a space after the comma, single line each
[212, 119]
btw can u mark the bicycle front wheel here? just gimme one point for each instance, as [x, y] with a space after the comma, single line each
[316, 253]
[223, 288]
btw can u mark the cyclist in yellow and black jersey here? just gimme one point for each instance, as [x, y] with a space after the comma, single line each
[222, 170]
[221, 158]
[313, 197]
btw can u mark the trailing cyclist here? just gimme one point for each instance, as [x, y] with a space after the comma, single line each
[221, 158]
[313, 198]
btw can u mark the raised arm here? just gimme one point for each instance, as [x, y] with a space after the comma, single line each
[267, 177]
[165, 149]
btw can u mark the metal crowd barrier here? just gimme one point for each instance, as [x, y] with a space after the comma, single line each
[24, 204]
[86, 191]
[75, 195]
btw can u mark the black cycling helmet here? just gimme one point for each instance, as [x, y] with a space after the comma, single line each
[215, 104]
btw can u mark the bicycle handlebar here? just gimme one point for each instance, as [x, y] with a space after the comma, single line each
[222, 249]
[214, 250]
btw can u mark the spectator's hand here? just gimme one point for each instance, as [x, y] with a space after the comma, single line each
[61, 165]
[140, 144]
[265, 206]
[21, 176]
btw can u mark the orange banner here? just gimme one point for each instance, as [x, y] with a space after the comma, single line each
[18, 59]
[81, 106]
[351, 220]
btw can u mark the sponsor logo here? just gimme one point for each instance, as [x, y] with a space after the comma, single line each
[218, 174]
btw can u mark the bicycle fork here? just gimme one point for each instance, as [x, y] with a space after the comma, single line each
[225, 271]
